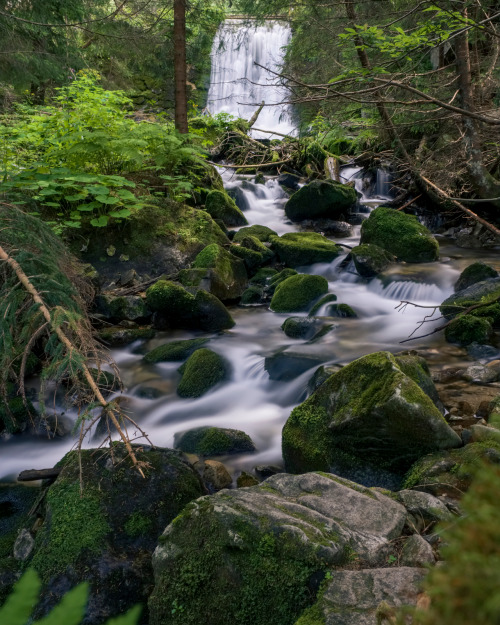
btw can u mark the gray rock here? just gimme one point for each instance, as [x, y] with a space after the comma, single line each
[483, 374]
[24, 545]
[352, 597]
[417, 552]
[425, 508]
[215, 475]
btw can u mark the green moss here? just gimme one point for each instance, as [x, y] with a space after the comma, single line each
[122, 336]
[468, 329]
[251, 258]
[225, 271]
[477, 272]
[370, 260]
[202, 371]
[485, 293]
[137, 524]
[263, 276]
[401, 235]
[304, 248]
[212, 441]
[253, 243]
[298, 293]
[281, 277]
[341, 310]
[210, 314]
[168, 296]
[263, 233]
[77, 524]
[324, 300]
[320, 199]
[220, 206]
[252, 295]
[175, 350]
[15, 416]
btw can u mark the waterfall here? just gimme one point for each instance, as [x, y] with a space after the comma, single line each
[238, 85]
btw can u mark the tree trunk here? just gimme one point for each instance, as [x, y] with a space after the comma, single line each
[180, 76]
[485, 185]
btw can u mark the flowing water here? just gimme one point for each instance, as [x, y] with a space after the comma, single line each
[250, 400]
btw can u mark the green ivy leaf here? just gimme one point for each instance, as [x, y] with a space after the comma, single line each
[100, 222]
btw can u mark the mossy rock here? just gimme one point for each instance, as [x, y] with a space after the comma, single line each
[320, 199]
[370, 260]
[263, 276]
[118, 336]
[106, 534]
[367, 422]
[341, 310]
[203, 370]
[289, 362]
[220, 206]
[400, 234]
[251, 258]
[331, 297]
[254, 295]
[263, 233]
[301, 327]
[212, 441]
[304, 248]
[280, 277]
[486, 293]
[416, 367]
[174, 351]
[253, 243]
[222, 274]
[123, 308]
[451, 472]
[210, 314]
[298, 293]
[468, 329]
[255, 556]
[477, 272]
[166, 295]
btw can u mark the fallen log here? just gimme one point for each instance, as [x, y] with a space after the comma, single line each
[30, 475]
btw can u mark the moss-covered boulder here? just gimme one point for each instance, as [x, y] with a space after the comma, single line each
[264, 276]
[220, 206]
[340, 310]
[117, 336]
[217, 271]
[280, 277]
[212, 441]
[331, 297]
[370, 260]
[201, 372]
[252, 296]
[106, 534]
[320, 199]
[468, 329]
[400, 234]
[302, 327]
[251, 258]
[369, 421]
[177, 307]
[123, 308]
[255, 556]
[253, 243]
[477, 272]
[174, 351]
[304, 248]
[298, 292]
[485, 293]
[263, 233]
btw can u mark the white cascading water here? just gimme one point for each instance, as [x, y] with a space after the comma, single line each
[250, 400]
[238, 85]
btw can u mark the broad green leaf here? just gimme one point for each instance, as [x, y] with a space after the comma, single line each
[70, 610]
[20, 603]
[129, 618]
[100, 222]
[124, 212]
[107, 199]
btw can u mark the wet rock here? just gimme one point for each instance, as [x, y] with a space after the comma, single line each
[401, 235]
[251, 258]
[174, 351]
[482, 352]
[118, 336]
[220, 206]
[320, 199]
[367, 419]
[203, 370]
[246, 479]
[289, 363]
[282, 534]
[290, 181]
[276, 280]
[370, 260]
[301, 327]
[123, 308]
[263, 276]
[213, 441]
[468, 329]
[485, 292]
[417, 369]
[24, 545]
[417, 552]
[331, 297]
[106, 535]
[263, 233]
[483, 374]
[321, 375]
[304, 248]
[340, 310]
[477, 272]
[263, 471]
[355, 597]
[252, 296]
[484, 433]
[216, 476]
[298, 293]
[329, 227]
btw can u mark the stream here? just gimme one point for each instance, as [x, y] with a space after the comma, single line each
[250, 400]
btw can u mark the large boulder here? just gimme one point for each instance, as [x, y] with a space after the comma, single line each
[212, 441]
[320, 198]
[401, 235]
[298, 293]
[263, 233]
[304, 248]
[220, 206]
[359, 597]
[369, 422]
[122, 308]
[105, 534]
[255, 556]
[486, 293]
[217, 271]
[477, 272]
[203, 370]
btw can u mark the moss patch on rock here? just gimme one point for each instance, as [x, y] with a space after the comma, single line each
[370, 260]
[220, 206]
[213, 441]
[201, 372]
[298, 292]
[485, 294]
[263, 233]
[477, 272]
[117, 336]
[167, 295]
[468, 329]
[320, 199]
[401, 235]
[304, 248]
[369, 414]
[174, 351]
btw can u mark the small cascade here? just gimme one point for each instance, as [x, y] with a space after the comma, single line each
[238, 85]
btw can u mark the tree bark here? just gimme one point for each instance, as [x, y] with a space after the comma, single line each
[485, 185]
[180, 73]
